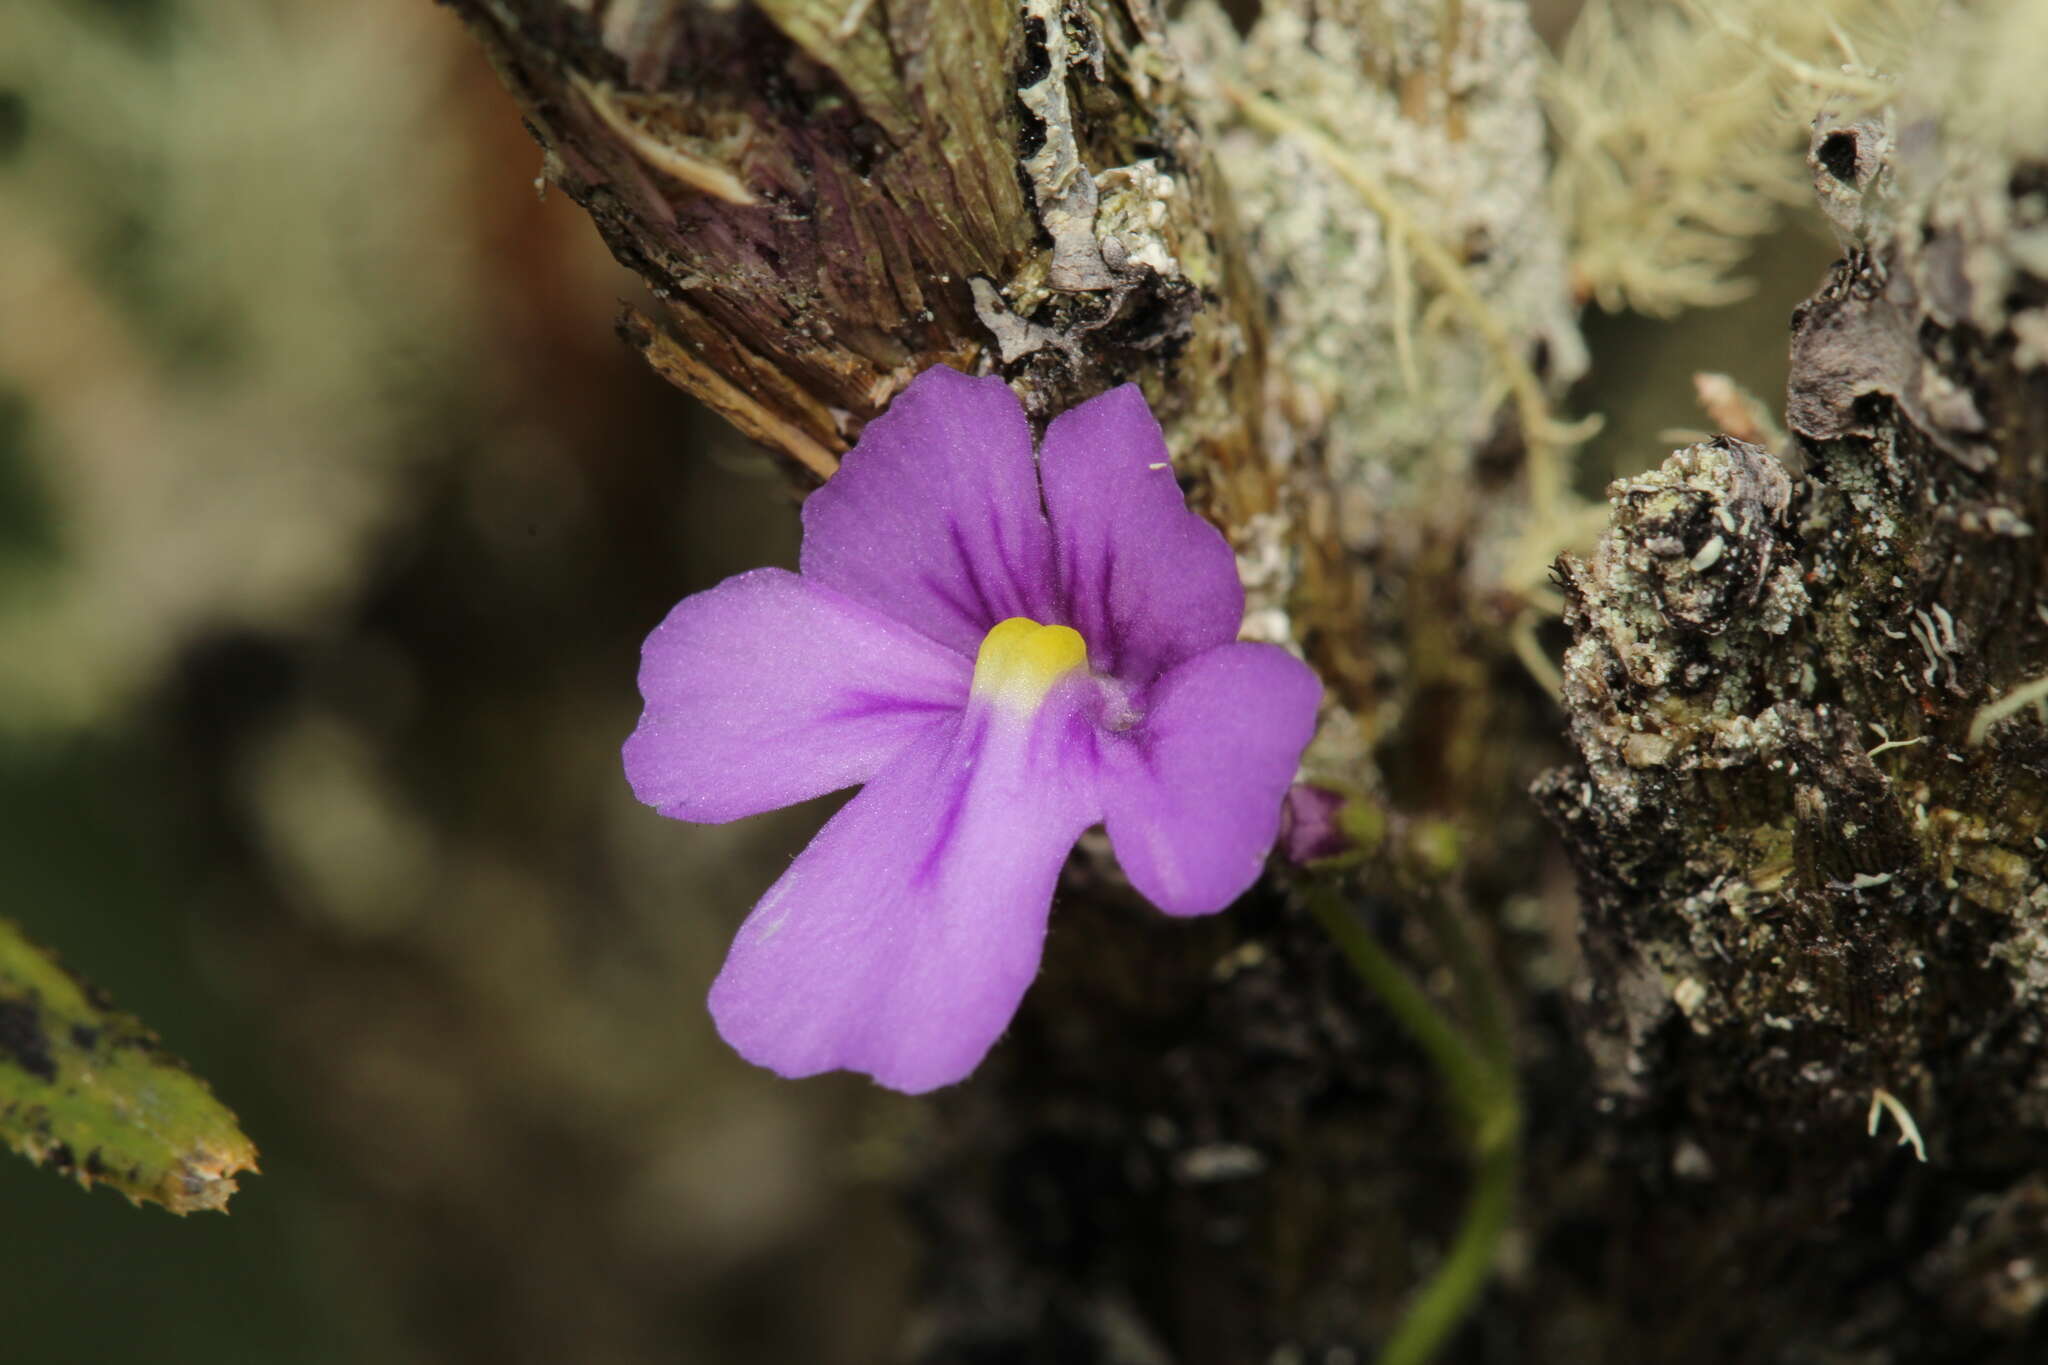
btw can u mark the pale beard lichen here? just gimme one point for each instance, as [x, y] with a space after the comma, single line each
[1375, 373]
[1679, 128]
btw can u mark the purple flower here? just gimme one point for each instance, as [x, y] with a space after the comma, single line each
[1001, 652]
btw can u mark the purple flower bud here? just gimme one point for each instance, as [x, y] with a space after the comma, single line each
[1310, 825]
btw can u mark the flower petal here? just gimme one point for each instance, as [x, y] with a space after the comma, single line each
[767, 690]
[900, 942]
[1147, 582]
[934, 518]
[1192, 795]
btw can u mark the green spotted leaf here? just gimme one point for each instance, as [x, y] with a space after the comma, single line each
[88, 1091]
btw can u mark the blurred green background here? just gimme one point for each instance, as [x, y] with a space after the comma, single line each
[331, 518]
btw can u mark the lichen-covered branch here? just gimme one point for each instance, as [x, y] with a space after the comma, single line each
[1810, 836]
[826, 198]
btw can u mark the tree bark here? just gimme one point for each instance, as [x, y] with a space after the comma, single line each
[1811, 848]
[1810, 860]
[827, 198]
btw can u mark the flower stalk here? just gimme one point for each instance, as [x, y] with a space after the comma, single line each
[1479, 1077]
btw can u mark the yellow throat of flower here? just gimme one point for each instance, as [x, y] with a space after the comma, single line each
[1020, 660]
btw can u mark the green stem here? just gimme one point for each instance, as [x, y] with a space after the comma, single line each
[1472, 1081]
[1477, 981]
[1481, 1083]
[1451, 1292]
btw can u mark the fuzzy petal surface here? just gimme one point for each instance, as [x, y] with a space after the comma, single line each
[934, 517]
[768, 690]
[1146, 581]
[900, 942]
[1191, 796]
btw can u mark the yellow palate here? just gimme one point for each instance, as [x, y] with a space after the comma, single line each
[1019, 661]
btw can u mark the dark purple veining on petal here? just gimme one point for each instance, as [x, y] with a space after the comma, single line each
[1112, 637]
[974, 732]
[1192, 801]
[935, 517]
[1149, 582]
[989, 614]
[868, 705]
[946, 597]
[1018, 582]
[769, 689]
